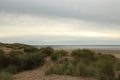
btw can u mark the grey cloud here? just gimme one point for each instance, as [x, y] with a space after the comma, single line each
[106, 11]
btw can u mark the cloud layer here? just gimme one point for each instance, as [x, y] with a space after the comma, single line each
[60, 21]
[93, 10]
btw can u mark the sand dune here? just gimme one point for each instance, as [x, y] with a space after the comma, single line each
[39, 74]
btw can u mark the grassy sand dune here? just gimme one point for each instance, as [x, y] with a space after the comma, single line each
[39, 74]
[26, 62]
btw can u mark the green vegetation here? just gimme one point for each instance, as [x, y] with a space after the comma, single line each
[118, 77]
[33, 60]
[58, 54]
[10, 69]
[5, 76]
[2, 57]
[80, 62]
[22, 57]
[86, 64]
[30, 49]
[48, 51]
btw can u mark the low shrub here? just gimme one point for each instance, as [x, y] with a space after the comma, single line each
[85, 70]
[54, 57]
[5, 76]
[16, 58]
[11, 69]
[106, 73]
[68, 68]
[58, 54]
[61, 53]
[30, 49]
[2, 59]
[118, 76]
[79, 54]
[49, 70]
[105, 70]
[86, 64]
[117, 65]
[33, 60]
[82, 53]
[108, 57]
[26, 61]
[1, 51]
[48, 51]
[56, 69]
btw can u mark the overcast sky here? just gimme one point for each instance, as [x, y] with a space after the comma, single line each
[60, 22]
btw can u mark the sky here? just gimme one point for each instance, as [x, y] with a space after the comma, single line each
[60, 22]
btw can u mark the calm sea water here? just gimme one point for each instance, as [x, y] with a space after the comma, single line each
[116, 47]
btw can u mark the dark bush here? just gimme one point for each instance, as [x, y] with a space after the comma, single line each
[71, 70]
[30, 49]
[68, 68]
[25, 61]
[16, 58]
[54, 57]
[108, 57]
[61, 53]
[82, 53]
[58, 54]
[85, 55]
[118, 76]
[11, 69]
[117, 65]
[1, 51]
[2, 58]
[106, 72]
[84, 70]
[48, 51]
[33, 60]
[58, 69]
[5, 76]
